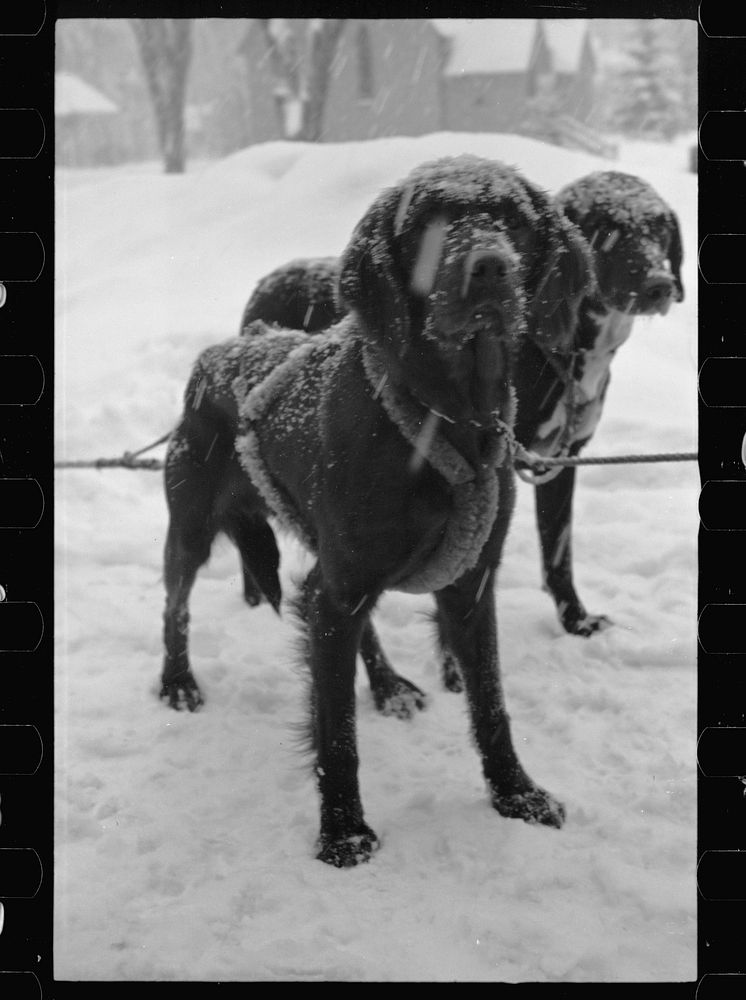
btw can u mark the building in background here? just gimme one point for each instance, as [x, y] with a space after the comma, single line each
[560, 80]
[386, 79]
[494, 71]
[86, 122]
[413, 76]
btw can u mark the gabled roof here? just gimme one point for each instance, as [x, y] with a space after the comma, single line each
[505, 45]
[565, 38]
[487, 45]
[73, 96]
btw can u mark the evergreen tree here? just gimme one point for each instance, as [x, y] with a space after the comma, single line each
[650, 89]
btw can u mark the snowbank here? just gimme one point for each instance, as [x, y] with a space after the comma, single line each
[184, 844]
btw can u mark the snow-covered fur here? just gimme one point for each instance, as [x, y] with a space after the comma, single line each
[563, 368]
[299, 295]
[289, 396]
[635, 237]
[381, 442]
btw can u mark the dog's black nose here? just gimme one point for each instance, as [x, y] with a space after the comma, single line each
[658, 290]
[486, 270]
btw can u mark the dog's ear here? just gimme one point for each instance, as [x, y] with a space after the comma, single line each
[369, 282]
[676, 254]
[568, 276]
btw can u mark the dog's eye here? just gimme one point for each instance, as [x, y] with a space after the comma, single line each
[512, 221]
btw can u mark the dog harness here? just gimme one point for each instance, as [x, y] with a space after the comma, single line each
[475, 492]
[285, 402]
[585, 375]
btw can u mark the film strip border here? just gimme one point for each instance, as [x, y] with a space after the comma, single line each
[26, 463]
[721, 754]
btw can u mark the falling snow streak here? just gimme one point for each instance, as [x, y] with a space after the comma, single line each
[418, 66]
[210, 449]
[359, 604]
[482, 585]
[402, 207]
[428, 257]
[423, 442]
[610, 241]
[381, 384]
[199, 394]
[339, 65]
[382, 100]
[561, 546]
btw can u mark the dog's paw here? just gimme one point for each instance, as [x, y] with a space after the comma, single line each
[576, 620]
[350, 850]
[532, 805]
[588, 625]
[452, 680]
[401, 698]
[183, 693]
[253, 597]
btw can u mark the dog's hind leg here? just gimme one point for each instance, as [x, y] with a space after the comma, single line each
[186, 551]
[392, 693]
[449, 665]
[190, 492]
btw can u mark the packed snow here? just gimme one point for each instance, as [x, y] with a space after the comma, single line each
[185, 843]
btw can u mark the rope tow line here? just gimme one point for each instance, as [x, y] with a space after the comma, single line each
[542, 470]
[129, 460]
[534, 474]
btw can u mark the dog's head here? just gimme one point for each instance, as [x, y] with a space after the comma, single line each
[635, 238]
[449, 269]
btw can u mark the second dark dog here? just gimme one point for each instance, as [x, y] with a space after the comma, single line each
[562, 380]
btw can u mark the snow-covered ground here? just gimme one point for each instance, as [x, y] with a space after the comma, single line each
[185, 843]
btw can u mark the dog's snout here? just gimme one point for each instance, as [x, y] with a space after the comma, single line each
[486, 270]
[658, 290]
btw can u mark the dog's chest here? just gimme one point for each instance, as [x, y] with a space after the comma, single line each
[577, 412]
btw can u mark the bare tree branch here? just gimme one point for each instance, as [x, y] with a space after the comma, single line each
[301, 57]
[324, 38]
[165, 46]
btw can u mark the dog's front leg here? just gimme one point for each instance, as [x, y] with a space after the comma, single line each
[334, 637]
[554, 520]
[468, 619]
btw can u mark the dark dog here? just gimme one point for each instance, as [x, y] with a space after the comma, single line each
[637, 256]
[562, 378]
[298, 296]
[382, 444]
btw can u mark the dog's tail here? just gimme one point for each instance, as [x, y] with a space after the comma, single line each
[260, 559]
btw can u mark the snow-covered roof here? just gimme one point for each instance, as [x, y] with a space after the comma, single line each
[565, 38]
[504, 45]
[73, 96]
[487, 45]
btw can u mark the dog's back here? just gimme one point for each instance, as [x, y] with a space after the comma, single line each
[300, 295]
